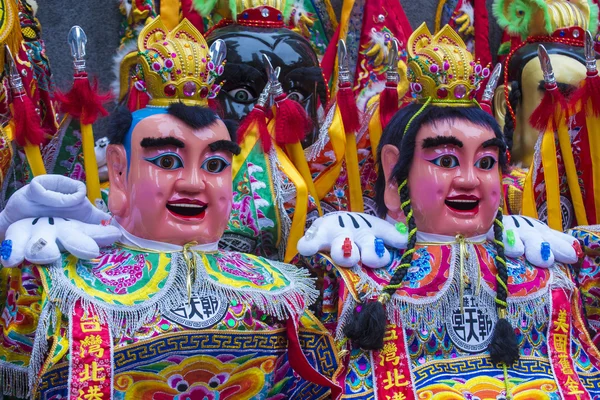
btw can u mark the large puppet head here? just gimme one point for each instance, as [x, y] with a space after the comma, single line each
[560, 26]
[254, 28]
[169, 163]
[439, 163]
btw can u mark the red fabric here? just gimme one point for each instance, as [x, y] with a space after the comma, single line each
[258, 116]
[388, 104]
[188, 11]
[83, 101]
[301, 365]
[28, 125]
[328, 61]
[395, 21]
[291, 121]
[482, 30]
[347, 105]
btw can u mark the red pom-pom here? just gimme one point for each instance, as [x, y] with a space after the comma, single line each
[589, 91]
[258, 116]
[28, 125]
[83, 101]
[291, 121]
[347, 105]
[544, 113]
[388, 104]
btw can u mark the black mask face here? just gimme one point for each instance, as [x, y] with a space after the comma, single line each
[245, 75]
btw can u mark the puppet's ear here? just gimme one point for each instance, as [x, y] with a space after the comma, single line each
[116, 161]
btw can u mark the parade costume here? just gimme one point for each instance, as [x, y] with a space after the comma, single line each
[453, 316]
[200, 321]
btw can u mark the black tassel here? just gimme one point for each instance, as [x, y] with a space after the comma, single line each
[503, 348]
[366, 329]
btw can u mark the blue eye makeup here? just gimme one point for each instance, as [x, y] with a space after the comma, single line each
[215, 164]
[166, 161]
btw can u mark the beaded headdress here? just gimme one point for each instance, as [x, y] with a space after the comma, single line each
[173, 66]
[441, 69]
[256, 13]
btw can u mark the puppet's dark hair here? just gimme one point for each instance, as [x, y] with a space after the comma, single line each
[195, 117]
[405, 141]
[367, 327]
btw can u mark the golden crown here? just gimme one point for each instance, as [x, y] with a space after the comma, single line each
[173, 66]
[440, 68]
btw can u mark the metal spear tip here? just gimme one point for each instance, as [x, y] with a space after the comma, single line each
[488, 93]
[392, 59]
[218, 52]
[15, 80]
[273, 76]
[546, 65]
[77, 41]
[590, 53]
[342, 54]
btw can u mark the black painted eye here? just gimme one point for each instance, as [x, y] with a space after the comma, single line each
[182, 386]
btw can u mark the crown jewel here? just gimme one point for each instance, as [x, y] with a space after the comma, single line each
[440, 68]
[173, 66]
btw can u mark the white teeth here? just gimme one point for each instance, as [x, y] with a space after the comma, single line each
[463, 201]
[187, 205]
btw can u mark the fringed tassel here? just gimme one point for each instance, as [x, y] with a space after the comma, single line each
[291, 121]
[256, 117]
[367, 327]
[84, 101]
[388, 103]
[545, 112]
[589, 91]
[138, 99]
[504, 347]
[347, 104]
[28, 125]
[13, 380]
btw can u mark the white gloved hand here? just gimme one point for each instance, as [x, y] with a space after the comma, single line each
[50, 196]
[352, 237]
[40, 240]
[50, 214]
[540, 244]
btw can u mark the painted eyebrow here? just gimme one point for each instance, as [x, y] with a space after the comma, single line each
[162, 142]
[227, 145]
[438, 141]
[495, 142]
[564, 88]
